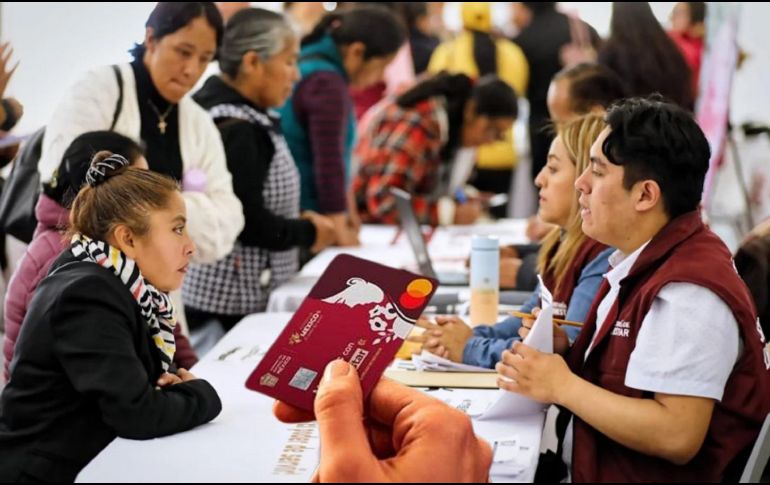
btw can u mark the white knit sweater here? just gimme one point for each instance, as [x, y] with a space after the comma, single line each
[215, 216]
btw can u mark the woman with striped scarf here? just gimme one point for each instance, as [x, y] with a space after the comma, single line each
[94, 359]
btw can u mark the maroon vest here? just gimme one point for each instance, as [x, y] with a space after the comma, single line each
[683, 251]
[588, 251]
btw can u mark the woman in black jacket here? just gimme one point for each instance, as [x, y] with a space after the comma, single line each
[94, 357]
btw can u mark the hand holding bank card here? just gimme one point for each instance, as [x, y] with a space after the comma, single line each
[359, 311]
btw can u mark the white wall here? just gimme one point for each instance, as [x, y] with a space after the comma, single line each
[57, 42]
[751, 96]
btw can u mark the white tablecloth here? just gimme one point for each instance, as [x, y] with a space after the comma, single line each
[449, 248]
[245, 443]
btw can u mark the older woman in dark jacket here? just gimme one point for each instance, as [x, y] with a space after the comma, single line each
[258, 59]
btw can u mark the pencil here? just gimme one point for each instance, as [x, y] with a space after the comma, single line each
[556, 320]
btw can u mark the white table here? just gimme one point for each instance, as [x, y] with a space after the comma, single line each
[245, 443]
[449, 248]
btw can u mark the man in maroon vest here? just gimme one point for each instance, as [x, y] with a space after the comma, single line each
[669, 379]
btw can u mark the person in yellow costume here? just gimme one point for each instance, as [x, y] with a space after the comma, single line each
[475, 52]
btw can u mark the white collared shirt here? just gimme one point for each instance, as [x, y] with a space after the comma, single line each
[621, 265]
[687, 345]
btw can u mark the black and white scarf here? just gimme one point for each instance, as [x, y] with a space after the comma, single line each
[156, 306]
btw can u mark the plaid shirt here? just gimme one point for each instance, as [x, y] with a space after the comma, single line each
[400, 148]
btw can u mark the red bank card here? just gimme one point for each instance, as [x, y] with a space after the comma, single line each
[358, 311]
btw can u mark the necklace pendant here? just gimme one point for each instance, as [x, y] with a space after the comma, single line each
[162, 126]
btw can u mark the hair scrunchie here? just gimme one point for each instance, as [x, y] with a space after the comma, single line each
[100, 171]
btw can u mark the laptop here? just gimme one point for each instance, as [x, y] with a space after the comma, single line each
[411, 227]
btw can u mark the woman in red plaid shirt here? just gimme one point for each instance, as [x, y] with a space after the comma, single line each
[407, 142]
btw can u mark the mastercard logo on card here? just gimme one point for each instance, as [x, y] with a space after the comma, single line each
[415, 293]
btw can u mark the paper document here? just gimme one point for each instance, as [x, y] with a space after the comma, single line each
[405, 372]
[511, 456]
[472, 402]
[540, 338]
[427, 361]
[545, 294]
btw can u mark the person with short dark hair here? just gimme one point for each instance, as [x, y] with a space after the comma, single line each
[668, 380]
[94, 359]
[751, 261]
[583, 88]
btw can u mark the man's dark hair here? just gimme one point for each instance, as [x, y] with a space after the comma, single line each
[591, 85]
[652, 139]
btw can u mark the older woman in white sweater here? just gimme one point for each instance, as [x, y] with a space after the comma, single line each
[179, 137]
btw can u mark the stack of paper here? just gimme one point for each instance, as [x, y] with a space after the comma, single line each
[427, 361]
[512, 457]
[473, 402]
[405, 372]
[540, 338]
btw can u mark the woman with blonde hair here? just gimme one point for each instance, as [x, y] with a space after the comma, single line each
[570, 263]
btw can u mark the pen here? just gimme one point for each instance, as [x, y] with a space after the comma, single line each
[556, 320]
